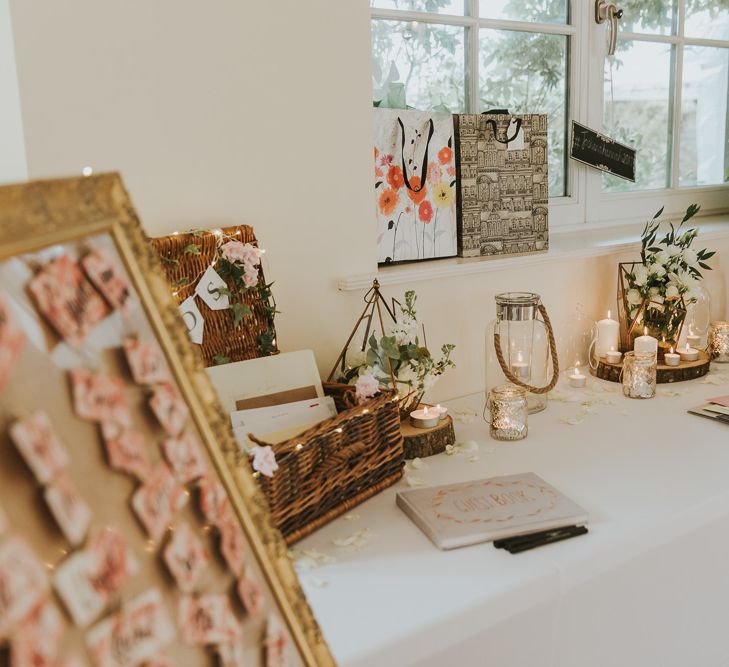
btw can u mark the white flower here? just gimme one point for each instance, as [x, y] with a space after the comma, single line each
[429, 380]
[634, 297]
[661, 257]
[264, 460]
[407, 375]
[366, 386]
[657, 270]
[690, 257]
[672, 292]
[653, 291]
[640, 275]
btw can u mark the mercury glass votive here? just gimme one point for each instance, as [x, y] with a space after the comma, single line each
[509, 412]
[719, 342]
[639, 375]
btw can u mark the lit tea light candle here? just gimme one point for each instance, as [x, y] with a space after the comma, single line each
[576, 378]
[425, 418]
[645, 344]
[442, 411]
[520, 368]
[671, 358]
[613, 356]
[689, 354]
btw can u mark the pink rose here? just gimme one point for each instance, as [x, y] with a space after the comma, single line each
[366, 386]
[264, 461]
[242, 253]
[250, 277]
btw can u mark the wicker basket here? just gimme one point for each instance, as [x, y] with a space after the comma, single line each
[220, 337]
[336, 464]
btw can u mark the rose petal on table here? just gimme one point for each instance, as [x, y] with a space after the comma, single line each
[473, 458]
[351, 517]
[413, 480]
[572, 421]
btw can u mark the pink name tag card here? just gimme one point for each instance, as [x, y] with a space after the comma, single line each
[186, 557]
[158, 500]
[126, 450]
[12, 341]
[108, 278]
[207, 620]
[69, 509]
[99, 398]
[39, 446]
[145, 361]
[169, 408]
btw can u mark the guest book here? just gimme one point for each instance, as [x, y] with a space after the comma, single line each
[457, 515]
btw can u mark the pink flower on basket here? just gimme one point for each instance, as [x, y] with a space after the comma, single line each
[264, 460]
[250, 277]
[243, 253]
[366, 386]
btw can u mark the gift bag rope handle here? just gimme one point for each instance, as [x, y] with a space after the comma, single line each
[424, 169]
[552, 351]
[492, 123]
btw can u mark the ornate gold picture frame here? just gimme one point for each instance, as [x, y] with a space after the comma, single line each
[76, 272]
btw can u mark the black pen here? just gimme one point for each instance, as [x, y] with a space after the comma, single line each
[548, 537]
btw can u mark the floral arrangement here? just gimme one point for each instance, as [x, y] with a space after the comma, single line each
[668, 275]
[414, 368]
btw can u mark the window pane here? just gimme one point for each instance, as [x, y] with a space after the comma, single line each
[638, 111]
[455, 7]
[703, 116]
[540, 11]
[526, 73]
[657, 17]
[707, 19]
[419, 65]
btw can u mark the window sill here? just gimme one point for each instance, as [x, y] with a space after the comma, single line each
[565, 245]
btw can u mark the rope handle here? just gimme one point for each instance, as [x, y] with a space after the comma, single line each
[552, 350]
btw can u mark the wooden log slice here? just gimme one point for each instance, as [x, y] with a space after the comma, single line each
[686, 370]
[422, 442]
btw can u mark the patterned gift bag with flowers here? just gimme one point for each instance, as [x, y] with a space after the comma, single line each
[415, 185]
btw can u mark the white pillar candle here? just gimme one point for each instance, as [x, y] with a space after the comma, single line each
[613, 356]
[576, 378]
[608, 334]
[520, 368]
[671, 358]
[689, 354]
[645, 344]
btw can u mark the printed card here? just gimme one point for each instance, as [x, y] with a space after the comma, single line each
[35, 642]
[211, 288]
[137, 633]
[12, 341]
[158, 500]
[231, 655]
[213, 500]
[186, 557]
[99, 398]
[67, 300]
[184, 454]
[208, 619]
[232, 542]
[69, 509]
[126, 450]
[145, 361]
[108, 278]
[276, 644]
[169, 408]
[88, 579]
[251, 593]
[40, 447]
[194, 321]
[23, 583]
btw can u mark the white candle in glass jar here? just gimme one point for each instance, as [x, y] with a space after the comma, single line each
[671, 358]
[645, 344]
[608, 334]
[613, 356]
[520, 368]
[576, 378]
[689, 354]
[693, 341]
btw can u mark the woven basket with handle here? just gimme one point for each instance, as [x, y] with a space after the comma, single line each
[336, 464]
[220, 337]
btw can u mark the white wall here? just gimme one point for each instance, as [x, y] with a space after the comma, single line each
[232, 111]
[12, 150]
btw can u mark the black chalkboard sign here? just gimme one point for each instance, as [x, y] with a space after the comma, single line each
[601, 152]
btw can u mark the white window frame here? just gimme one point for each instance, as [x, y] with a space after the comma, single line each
[585, 202]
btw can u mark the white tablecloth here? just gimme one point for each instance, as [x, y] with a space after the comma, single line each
[649, 585]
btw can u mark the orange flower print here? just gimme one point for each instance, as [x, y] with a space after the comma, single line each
[388, 201]
[394, 177]
[445, 155]
[435, 173]
[425, 212]
[451, 171]
[378, 173]
[377, 153]
[417, 196]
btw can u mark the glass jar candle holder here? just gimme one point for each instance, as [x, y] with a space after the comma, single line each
[509, 410]
[639, 375]
[719, 342]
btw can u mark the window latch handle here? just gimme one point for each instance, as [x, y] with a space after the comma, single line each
[608, 12]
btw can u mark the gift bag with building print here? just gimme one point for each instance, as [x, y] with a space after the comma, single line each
[415, 185]
[502, 162]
